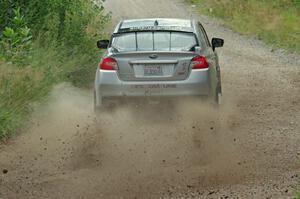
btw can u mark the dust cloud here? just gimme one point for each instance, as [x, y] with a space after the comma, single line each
[142, 147]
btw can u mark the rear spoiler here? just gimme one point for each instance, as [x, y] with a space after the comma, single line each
[156, 28]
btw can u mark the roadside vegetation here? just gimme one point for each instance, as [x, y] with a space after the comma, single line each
[297, 190]
[274, 21]
[41, 44]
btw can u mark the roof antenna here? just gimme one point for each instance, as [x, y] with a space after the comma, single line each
[156, 23]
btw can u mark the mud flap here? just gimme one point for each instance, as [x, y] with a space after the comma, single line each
[218, 93]
[97, 102]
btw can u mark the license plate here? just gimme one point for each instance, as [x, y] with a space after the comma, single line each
[153, 70]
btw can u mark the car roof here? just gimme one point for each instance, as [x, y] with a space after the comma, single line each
[155, 24]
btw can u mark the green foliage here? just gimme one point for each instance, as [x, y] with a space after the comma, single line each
[16, 40]
[297, 190]
[19, 87]
[274, 21]
[53, 41]
[63, 20]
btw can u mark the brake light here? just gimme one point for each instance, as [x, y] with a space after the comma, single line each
[199, 62]
[109, 63]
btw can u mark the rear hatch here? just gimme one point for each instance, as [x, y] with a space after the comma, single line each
[153, 66]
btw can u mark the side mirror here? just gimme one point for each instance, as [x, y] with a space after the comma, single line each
[102, 44]
[217, 42]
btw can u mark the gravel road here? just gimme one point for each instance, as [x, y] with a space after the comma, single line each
[178, 150]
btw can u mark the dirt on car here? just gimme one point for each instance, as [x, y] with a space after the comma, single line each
[247, 148]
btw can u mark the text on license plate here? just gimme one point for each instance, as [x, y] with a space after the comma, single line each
[153, 70]
[154, 86]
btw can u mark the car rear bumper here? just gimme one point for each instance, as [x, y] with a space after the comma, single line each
[108, 84]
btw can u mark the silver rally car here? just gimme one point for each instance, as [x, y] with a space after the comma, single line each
[158, 57]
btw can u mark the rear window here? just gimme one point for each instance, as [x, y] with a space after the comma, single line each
[154, 41]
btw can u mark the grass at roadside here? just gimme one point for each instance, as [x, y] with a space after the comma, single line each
[22, 86]
[277, 22]
[297, 190]
[28, 74]
[18, 88]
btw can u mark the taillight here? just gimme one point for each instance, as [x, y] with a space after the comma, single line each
[109, 63]
[199, 62]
